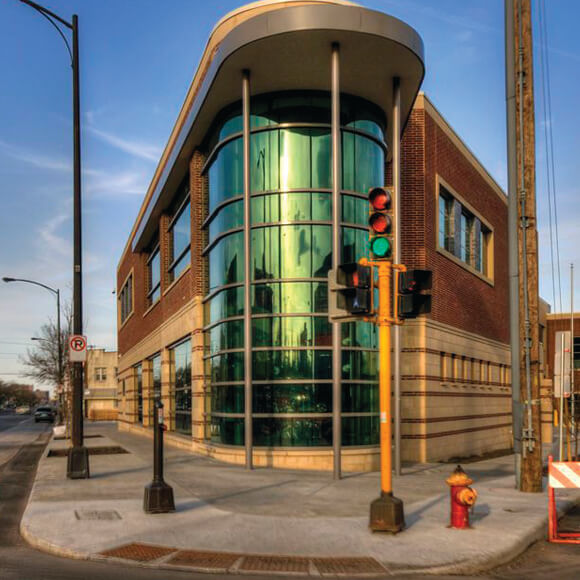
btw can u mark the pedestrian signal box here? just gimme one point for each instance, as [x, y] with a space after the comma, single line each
[349, 292]
[413, 298]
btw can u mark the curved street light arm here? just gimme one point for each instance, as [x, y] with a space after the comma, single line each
[5, 279]
[51, 17]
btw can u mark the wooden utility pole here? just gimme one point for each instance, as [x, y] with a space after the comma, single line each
[530, 476]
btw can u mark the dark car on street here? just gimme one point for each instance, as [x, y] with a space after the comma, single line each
[44, 414]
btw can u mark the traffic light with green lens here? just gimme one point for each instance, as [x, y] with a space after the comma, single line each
[381, 223]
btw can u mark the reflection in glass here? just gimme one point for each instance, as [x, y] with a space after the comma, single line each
[360, 430]
[180, 357]
[284, 398]
[226, 260]
[281, 432]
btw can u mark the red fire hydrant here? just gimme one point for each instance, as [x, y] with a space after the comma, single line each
[462, 498]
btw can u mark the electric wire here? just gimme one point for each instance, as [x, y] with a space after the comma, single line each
[549, 146]
[545, 113]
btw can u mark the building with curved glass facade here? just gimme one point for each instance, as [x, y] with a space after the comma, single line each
[223, 298]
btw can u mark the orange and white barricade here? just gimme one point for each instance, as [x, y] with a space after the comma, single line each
[561, 475]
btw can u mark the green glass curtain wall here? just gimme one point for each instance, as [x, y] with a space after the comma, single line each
[291, 243]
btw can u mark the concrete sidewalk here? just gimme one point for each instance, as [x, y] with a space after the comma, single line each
[229, 518]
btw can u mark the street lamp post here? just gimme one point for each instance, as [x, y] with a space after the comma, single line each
[56, 292]
[78, 457]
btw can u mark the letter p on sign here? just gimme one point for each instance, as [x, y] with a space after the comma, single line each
[77, 348]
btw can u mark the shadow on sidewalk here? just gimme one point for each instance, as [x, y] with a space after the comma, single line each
[415, 516]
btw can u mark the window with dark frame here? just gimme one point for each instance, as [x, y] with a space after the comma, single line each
[154, 275]
[462, 234]
[126, 299]
[180, 234]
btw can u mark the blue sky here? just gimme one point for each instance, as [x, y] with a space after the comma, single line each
[137, 60]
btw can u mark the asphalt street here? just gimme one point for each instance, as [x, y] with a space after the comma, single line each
[19, 561]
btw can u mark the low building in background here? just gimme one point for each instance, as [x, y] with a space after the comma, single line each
[182, 293]
[100, 397]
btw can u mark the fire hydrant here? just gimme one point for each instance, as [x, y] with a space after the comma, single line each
[462, 498]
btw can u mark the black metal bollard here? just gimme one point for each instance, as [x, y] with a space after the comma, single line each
[158, 497]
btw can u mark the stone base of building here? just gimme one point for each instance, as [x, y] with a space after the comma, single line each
[455, 393]
[353, 460]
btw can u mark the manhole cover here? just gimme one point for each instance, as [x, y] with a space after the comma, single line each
[105, 515]
[348, 566]
[275, 564]
[138, 552]
[197, 559]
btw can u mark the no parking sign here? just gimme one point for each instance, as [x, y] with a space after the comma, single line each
[77, 348]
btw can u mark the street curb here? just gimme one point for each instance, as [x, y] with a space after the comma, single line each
[475, 565]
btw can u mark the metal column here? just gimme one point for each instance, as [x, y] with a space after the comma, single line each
[336, 251]
[248, 441]
[396, 165]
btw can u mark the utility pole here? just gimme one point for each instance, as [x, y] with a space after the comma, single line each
[522, 179]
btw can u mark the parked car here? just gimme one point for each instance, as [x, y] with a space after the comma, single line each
[44, 414]
[22, 410]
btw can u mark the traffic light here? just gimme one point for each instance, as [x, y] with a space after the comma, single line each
[381, 223]
[412, 300]
[349, 292]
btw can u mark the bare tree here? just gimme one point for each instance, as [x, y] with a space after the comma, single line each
[42, 361]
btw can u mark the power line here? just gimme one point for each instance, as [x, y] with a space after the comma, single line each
[550, 164]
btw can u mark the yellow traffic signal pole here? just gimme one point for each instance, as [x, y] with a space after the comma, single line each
[386, 513]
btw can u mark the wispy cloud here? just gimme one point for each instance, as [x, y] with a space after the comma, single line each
[122, 183]
[136, 148]
[33, 158]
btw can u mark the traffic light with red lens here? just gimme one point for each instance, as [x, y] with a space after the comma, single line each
[381, 223]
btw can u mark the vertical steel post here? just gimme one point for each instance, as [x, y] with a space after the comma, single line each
[78, 458]
[59, 363]
[396, 165]
[336, 253]
[386, 512]
[513, 256]
[572, 395]
[248, 423]
[561, 413]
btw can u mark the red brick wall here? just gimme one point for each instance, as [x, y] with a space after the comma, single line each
[173, 297]
[460, 298]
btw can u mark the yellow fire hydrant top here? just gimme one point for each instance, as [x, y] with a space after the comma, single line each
[459, 477]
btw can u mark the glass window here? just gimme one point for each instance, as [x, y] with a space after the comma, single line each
[154, 274]
[226, 174]
[292, 364]
[233, 125]
[226, 261]
[360, 365]
[360, 430]
[227, 303]
[360, 334]
[229, 217]
[227, 335]
[355, 210]
[294, 159]
[363, 163]
[355, 244]
[180, 357]
[179, 238]
[228, 399]
[139, 380]
[282, 398]
[282, 432]
[227, 431]
[155, 384]
[321, 152]
[360, 398]
[227, 367]
[264, 161]
[126, 299]
[291, 331]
